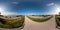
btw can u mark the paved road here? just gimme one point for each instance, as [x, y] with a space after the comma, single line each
[31, 25]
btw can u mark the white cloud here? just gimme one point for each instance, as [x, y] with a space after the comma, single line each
[9, 13]
[50, 4]
[14, 2]
[5, 12]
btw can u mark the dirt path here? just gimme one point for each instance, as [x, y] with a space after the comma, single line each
[31, 25]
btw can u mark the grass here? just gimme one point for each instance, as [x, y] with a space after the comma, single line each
[57, 17]
[14, 23]
[39, 20]
[1, 15]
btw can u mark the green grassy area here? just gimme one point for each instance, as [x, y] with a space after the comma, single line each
[57, 17]
[1, 15]
[11, 23]
[39, 20]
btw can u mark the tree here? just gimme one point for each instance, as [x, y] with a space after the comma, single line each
[0, 13]
[59, 13]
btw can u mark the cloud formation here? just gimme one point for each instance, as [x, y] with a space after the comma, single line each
[9, 13]
[50, 4]
[14, 2]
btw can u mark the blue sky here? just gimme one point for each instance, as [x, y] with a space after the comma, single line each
[29, 7]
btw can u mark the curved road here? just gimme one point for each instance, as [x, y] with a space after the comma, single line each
[31, 25]
[48, 25]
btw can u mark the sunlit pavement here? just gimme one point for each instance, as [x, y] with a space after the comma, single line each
[48, 25]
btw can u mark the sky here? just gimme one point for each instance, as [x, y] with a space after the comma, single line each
[29, 7]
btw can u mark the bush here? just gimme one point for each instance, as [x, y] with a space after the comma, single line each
[33, 19]
[14, 23]
[1, 15]
[57, 20]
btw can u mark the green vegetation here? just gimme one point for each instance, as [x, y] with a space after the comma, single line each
[33, 19]
[1, 15]
[11, 23]
[57, 17]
